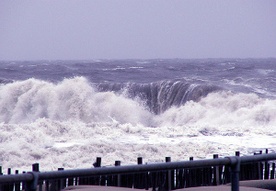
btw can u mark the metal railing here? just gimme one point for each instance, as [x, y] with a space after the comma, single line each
[31, 179]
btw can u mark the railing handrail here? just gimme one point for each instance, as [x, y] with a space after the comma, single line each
[233, 161]
[116, 170]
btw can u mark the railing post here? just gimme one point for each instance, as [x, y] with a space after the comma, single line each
[235, 163]
[118, 163]
[98, 162]
[272, 172]
[17, 185]
[35, 168]
[169, 175]
[216, 172]
[32, 185]
[139, 178]
[1, 186]
[10, 185]
[139, 160]
[98, 180]
[62, 181]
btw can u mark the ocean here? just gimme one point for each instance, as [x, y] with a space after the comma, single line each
[67, 113]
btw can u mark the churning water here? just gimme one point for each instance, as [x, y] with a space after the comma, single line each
[67, 113]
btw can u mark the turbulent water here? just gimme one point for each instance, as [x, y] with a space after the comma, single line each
[67, 113]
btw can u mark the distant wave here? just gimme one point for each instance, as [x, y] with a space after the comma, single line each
[5, 81]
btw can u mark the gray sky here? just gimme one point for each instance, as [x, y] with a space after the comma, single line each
[120, 29]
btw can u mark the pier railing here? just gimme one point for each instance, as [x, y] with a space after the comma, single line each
[168, 175]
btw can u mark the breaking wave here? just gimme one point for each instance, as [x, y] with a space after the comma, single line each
[71, 99]
[160, 96]
[76, 98]
[177, 102]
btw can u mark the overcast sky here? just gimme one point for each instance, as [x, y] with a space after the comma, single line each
[120, 29]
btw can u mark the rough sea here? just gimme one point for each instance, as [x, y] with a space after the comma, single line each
[67, 113]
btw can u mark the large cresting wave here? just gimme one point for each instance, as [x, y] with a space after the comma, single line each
[166, 102]
[162, 95]
[26, 101]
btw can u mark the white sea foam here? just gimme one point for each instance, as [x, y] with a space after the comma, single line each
[224, 109]
[75, 99]
[136, 67]
[69, 124]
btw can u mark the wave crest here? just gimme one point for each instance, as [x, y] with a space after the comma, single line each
[155, 104]
[162, 95]
[75, 99]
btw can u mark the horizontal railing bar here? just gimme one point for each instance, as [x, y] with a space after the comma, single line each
[136, 168]
[133, 168]
[258, 158]
[16, 178]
